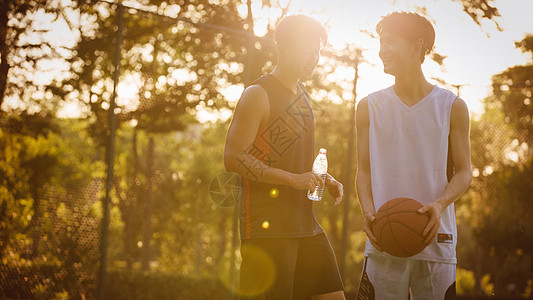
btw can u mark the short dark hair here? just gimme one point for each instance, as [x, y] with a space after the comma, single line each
[411, 26]
[295, 28]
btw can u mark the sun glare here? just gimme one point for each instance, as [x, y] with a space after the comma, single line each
[473, 53]
[469, 64]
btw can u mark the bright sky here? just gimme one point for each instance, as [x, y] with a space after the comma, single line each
[473, 53]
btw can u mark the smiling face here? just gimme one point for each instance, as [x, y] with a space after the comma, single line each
[398, 54]
[405, 39]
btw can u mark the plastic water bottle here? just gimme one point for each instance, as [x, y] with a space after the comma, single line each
[320, 167]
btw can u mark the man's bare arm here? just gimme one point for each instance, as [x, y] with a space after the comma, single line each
[460, 147]
[363, 179]
[250, 117]
[335, 189]
[460, 181]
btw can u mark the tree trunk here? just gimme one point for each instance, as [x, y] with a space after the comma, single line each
[148, 198]
[222, 236]
[478, 272]
[132, 203]
[35, 223]
[4, 65]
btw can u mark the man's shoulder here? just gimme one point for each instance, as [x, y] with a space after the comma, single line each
[380, 98]
[362, 104]
[443, 92]
[388, 91]
[255, 89]
[264, 81]
[254, 97]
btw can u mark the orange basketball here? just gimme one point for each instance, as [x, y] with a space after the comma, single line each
[399, 227]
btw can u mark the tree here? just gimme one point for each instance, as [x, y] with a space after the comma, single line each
[180, 67]
[513, 89]
[480, 9]
[502, 217]
[24, 170]
[24, 46]
[47, 225]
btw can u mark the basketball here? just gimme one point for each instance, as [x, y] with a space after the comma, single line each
[399, 228]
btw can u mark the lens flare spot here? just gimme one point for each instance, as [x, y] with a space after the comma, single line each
[274, 193]
[265, 225]
[258, 271]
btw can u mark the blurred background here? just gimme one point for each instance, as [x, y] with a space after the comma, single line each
[113, 117]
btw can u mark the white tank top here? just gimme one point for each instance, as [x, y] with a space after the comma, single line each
[408, 149]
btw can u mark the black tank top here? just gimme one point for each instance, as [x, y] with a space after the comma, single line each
[287, 142]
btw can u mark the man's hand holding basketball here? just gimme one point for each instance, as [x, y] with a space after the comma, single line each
[335, 189]
[434, 211]
[369, 219]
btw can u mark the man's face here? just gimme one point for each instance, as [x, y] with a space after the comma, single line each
[397, 53]
[303, 57]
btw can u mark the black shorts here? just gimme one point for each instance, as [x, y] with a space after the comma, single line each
[288, 268]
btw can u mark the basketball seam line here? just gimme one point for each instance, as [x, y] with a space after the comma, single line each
[390, 229]
[394, 236]
[403, 225]
[403, 200]
[403, 212]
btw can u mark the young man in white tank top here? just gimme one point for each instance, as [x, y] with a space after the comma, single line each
[405, 134]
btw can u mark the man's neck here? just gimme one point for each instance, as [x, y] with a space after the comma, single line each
[287, 78]
[412, 87]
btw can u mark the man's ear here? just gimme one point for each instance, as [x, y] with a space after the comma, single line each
[418, 49]
[282, 51]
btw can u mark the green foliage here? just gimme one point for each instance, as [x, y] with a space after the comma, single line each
[500, 215]
[507, 229]
[23, 45]
[24, 168]
[162, 285]
[179, 68]
[526, 45]
[465, 282]
[49, 226]
[480, 10]
[513, 90]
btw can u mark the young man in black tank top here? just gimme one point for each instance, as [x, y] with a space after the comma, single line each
[270, 143]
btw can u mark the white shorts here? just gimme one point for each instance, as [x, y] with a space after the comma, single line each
[402, 279]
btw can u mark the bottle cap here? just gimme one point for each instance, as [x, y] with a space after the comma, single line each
[322, 151]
